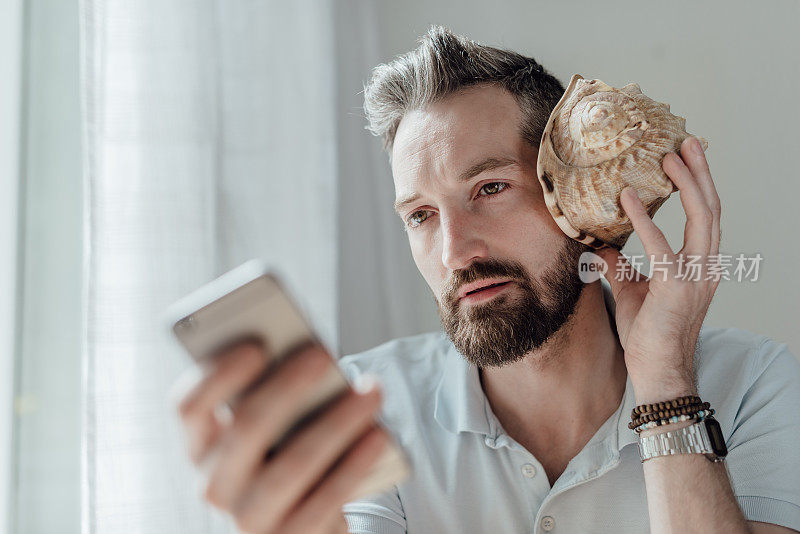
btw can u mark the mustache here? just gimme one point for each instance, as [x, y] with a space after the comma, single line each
[494, 268]
[478, 271]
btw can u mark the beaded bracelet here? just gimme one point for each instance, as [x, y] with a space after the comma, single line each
[699, 416]
[667, 413]
[664, 405]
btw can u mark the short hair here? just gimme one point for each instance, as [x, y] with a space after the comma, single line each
[445, 63]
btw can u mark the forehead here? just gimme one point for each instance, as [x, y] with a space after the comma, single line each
[447, 136]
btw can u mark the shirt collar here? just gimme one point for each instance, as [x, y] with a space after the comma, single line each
[461, 405]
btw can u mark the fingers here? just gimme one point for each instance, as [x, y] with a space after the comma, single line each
[694, 157]
[691, 176]
[263, 495]
[225, 376]
[697, 233]
[305, 459]
[653, 240]
[325, 501]
[260, 418]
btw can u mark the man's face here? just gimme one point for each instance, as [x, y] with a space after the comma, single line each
[480, 217]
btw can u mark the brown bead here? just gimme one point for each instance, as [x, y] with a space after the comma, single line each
[663, 410]
[665, 414]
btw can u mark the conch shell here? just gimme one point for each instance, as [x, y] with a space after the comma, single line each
[598, 141]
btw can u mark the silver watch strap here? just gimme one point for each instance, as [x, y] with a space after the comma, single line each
[691, 439]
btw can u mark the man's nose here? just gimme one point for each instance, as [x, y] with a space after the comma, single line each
[461, 241]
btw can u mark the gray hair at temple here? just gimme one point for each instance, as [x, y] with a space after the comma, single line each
[443, 64]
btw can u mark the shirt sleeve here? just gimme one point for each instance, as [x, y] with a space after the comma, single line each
[381, 513]
[763, 454]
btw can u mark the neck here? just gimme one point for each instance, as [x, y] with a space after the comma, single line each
[560, 394]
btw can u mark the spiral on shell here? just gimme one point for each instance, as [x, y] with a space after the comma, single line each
[597, 141]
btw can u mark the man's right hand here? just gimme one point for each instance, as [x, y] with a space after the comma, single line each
[295, 491]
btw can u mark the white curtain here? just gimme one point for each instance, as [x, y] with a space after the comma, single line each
[217, 131]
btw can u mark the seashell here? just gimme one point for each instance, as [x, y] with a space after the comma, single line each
[599, 140]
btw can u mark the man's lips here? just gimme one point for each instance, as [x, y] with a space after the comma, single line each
[480, 284]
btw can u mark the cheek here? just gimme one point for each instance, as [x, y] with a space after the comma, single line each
[525, 230]
[427, 256]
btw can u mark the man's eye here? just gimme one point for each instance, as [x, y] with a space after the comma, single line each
[492, 188]
[413, 221]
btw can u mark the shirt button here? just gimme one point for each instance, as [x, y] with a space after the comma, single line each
[548, 523]
[529, 470]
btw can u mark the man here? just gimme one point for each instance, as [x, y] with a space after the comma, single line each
[516, 416]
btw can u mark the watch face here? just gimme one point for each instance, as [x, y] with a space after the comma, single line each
[716, 437]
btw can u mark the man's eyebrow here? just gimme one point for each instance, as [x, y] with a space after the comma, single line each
[486, 164]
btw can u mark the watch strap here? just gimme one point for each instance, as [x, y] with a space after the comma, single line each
[703, 437]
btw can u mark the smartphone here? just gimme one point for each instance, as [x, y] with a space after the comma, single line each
[250, 302]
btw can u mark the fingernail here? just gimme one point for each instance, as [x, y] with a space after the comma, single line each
[631, 192]
[698, 147]
[365, 383]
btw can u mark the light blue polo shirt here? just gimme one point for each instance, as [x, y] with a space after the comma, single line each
[471, 477]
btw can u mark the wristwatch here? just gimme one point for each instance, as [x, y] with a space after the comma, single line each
[704, 437]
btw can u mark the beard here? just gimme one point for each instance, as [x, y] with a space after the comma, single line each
[505, 328]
